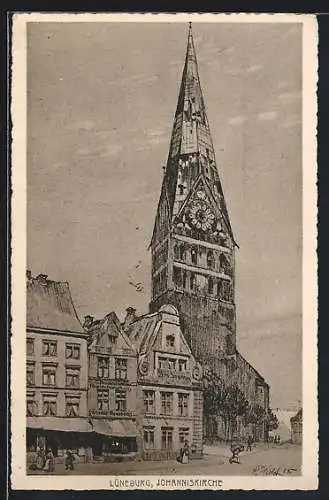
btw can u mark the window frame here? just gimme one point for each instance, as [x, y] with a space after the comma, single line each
[166, 433]
[50, 344]
[120, 397]
[103, 370]
[149, 397]
[167, 406]
[183, 404]
[73, 346]
[121, 370]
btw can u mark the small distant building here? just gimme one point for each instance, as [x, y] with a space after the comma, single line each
[297, 427]
[56, 370]
[284, 428]
[170, 397]
[112, 389]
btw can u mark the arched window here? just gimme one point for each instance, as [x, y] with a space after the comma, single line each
[176, 251]
[184, 279]
[192, 281]
[210, 259]
[177, 275]
[194, 256]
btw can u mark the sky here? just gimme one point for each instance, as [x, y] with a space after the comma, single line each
[101, 102]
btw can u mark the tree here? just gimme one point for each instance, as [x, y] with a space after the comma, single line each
[234, 405]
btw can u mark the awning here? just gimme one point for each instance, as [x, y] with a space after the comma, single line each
[115, 428]
[59, 424]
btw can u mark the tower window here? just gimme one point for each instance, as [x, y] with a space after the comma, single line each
[177, 274]
[184, 279]
[210, 259]
[194, 256]
[192, 282]
[210, 285]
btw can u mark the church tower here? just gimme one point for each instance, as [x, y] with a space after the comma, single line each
[193, 244]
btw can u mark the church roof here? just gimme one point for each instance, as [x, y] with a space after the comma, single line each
[191, 147]
[50, 305]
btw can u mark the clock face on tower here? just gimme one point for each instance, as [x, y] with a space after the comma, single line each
[201, 215]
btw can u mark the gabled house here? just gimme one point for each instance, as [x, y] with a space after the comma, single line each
[111, 389]
[56, 371]
[169, 398]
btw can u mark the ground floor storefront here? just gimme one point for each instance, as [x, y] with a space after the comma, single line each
[89, 441]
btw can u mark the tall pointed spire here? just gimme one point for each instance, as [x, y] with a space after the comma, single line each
[191, 152]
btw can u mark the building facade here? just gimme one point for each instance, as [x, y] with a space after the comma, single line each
[112, 389]
[169, 400]
[193, 246]
[297, 427]
[56, 370]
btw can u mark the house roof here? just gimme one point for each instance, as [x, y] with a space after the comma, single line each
[298, 416]
[110, 324]
[50, 305]
[141, 332]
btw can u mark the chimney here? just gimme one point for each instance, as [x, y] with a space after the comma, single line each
[28, 274]
[130, 317]
[42, 279]
[88, 321]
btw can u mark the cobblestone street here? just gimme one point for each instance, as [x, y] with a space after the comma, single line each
[263, 460]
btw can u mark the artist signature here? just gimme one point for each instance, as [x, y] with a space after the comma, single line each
[270, 470]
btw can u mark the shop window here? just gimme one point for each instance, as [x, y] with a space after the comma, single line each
[166, 403]
[49, 348]
[30, 347]
[72, 407]
[30, 375]
[183, 404]
[103, 370]
[49, 375]
[149, 437]
[149, 401]
[120, 400]
[49, 408]
[72, 377]
[72, 351]
[182, 365]
[166, 438]
[121, 369]
[103, 400]
[31, 408]
[170, 341]
[184, 434]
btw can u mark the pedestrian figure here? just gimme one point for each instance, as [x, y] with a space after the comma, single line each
[41, 459]
[249, 443]
[69, 460]
[185, 453]
[236, 448]
[49, 464]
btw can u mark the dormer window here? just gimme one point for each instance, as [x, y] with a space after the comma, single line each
[170, 341]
